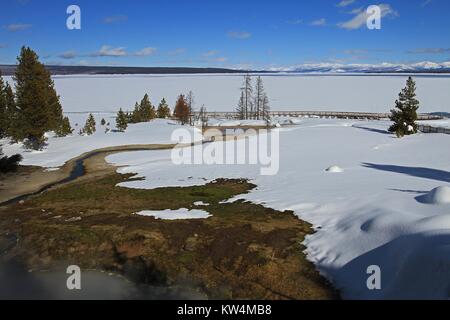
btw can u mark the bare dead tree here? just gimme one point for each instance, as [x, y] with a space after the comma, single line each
[247, 91]
[241, 107]
[265, 108]
[203, 116]
[259, 98]
[190, 100]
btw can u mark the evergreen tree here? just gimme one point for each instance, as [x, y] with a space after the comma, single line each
[147, 110]
[163, 111]
[89, 127]
[144, 111]
[65, 129]
[36, 98]
[3, 109]
[404, 115]
[121, 121]
[135, 116]
[13, 126]
[8, 164]
[103, 122]
[181, 111]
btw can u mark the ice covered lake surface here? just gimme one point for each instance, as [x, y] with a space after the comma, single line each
[370, 93]
[371, 213]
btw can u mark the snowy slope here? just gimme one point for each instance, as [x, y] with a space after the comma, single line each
[372, 213]
[60, 150]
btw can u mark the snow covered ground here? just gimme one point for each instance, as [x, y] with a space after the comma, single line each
[370, 93]
[60, 150]
[180, 214]
[376, 211]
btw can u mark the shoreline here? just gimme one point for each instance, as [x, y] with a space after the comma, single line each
[33, 180]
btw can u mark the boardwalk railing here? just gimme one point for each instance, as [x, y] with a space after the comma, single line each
[431, 129]
[321, 114]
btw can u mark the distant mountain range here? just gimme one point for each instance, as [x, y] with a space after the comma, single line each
[333, 68]
[8, 70]
[421, 67]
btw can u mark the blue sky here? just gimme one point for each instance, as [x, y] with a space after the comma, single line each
[246, 33]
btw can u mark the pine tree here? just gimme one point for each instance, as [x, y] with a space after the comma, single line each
[135, 116]
[89, 127]
[404, 115]
[181, 111]
[103, 122]
[8, 164]
[65, 129]
[36, 98]
[146, 109]
[13, 116]
[3, 109]
[143, 111]
[163, 111]
[121, 121]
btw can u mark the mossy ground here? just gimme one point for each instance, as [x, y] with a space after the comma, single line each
[244, 251]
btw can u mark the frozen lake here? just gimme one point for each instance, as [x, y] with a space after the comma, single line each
[370, 93]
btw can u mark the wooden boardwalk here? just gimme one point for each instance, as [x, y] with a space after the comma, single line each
[431, 129]
[321, 114]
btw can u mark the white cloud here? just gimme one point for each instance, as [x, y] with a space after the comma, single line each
[68, 55]
[319, 22]
[17, 27]
[146, 52]
[360, 19]
[114, 19]
[345, 3]
[239, 35]
[220, 59]
[295, 22]
[108, 51]
[429, 51]
[356, 11]
[426, 2]
[211, 53]
[177, 51]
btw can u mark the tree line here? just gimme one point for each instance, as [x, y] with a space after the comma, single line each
[145, 111]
